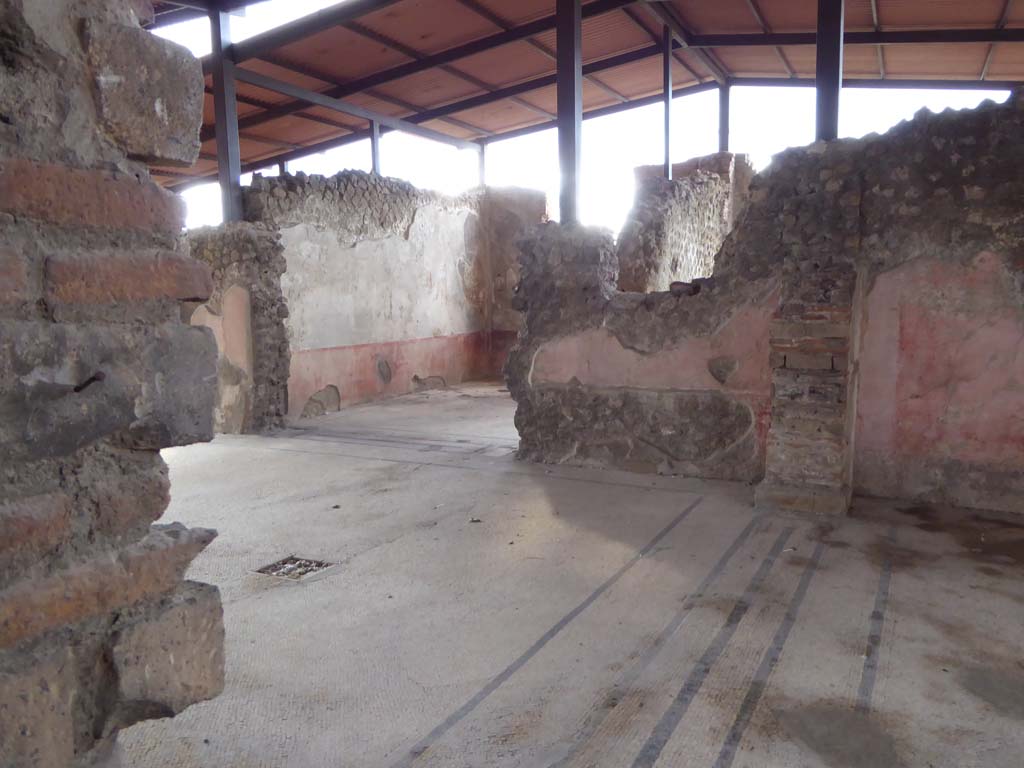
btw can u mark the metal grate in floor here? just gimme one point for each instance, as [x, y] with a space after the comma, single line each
[293, 567]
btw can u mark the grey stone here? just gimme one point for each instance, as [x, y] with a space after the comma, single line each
[149, 92]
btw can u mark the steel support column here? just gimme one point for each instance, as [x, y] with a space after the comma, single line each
[569, 26]
[225, 106]
[375, 147]
[666, 91]
[723, 118]
[829, 69]
[482, 164]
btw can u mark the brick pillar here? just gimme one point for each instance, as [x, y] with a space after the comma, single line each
[810, 441]
[97, 373]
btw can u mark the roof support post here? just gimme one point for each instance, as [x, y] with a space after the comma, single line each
[569, 29]
[375, 147]
[723, 118]
[225, 105]
[482, 164]
[829, 69]
[666, 91]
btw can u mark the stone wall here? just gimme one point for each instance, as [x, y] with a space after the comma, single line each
[885, 277]
[660, 382]
[97, 374]
[247, 314]
[676, 227]
[386, 283]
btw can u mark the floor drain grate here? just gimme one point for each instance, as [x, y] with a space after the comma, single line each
[293, 567]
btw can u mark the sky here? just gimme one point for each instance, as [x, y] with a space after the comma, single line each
[763, 122]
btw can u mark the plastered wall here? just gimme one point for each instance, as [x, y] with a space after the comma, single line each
[385, 282]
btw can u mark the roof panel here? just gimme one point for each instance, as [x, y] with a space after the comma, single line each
[426, 89]
[939, 14]
[341, 53]
[508, 64]
[429, 26]
[720, 16]
[751, 62]
[920, 61]
[1007, 63]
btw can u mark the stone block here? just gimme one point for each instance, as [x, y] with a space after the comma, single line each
[149, 92]
[75, 197]
[109, 278]
[171, 656]
[31, 528]
[788, 330]
[36, 710]
[808, 361]
[821, 386]
[65, 386]
[110, 581]
[13, 278]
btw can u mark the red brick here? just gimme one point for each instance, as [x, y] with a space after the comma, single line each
[119, 277]
[13, 280]
[96, 587]
[74, 197]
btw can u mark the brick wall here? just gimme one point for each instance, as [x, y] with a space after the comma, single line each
[676, 227]
[97, 373]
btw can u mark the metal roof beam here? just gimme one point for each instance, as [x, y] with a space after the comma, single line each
[322, 100]
[890, 37]
[305, 26]
[515, 34]
[668, 17]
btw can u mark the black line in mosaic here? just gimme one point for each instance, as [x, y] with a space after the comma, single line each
[662, 732]
[448, 723]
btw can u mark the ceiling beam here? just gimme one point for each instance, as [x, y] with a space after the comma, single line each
[292, 32]
[322, 146]
[322, 100]
[667, 16]
[515, 34]
[756, 10]
[501, 23]
[890, 37]
[454, 71]
[1004, 19]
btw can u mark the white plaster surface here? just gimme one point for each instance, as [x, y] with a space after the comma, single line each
[395, 288]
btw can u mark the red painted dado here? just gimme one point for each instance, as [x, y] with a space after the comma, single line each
[357, 370]
[942, 371]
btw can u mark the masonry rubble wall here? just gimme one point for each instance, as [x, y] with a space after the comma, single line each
[386, 284]
[247, 313]
[98, 629]
[677, 226]
[886, 277]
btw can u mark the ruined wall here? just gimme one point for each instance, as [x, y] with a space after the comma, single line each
[97, 374]
[385, 282]
[676, 227]
[247, 314]
[889, 273]
[657, 382]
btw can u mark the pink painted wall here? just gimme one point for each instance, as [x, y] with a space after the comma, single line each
[940, 411]
[354, 371]
[597, 359]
